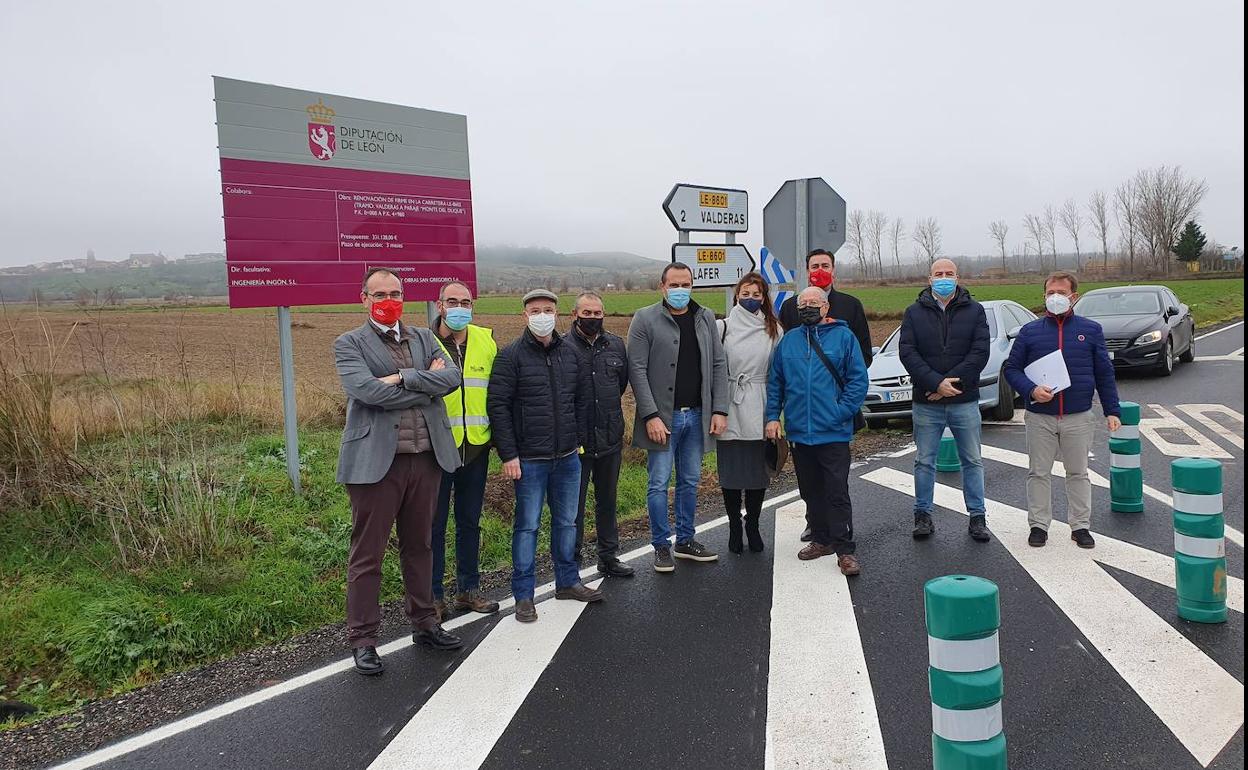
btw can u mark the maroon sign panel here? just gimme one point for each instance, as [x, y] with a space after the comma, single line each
[317, 189]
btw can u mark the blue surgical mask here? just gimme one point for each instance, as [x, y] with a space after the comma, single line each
[751, 305]
[944, 287]
[458, 318]
[679, 298]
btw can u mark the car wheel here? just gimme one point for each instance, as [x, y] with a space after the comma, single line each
[1189, 355]
[1165, 367]
[1004, 410]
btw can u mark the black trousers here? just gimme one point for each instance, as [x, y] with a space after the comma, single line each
[823, 479]
[605, 473]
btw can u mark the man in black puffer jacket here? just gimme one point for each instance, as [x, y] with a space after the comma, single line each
[944, 347]
[538, 402]
[605, 356]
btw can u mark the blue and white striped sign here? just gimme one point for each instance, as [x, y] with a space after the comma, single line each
[771, 268]
[779, 299]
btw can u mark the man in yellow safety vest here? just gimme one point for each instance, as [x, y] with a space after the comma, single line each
[473, 349]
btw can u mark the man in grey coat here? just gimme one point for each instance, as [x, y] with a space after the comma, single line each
[679, 377]
[396, 444]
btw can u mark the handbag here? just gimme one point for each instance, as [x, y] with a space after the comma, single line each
[860, 422]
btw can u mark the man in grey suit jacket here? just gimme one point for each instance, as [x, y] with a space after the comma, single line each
[396, 444]
[680, 383]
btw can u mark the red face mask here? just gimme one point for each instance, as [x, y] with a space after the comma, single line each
[387, 311]
[820, 278]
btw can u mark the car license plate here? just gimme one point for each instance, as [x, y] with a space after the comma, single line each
[899, 395]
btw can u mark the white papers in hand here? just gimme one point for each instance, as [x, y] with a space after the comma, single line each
[1049, 371]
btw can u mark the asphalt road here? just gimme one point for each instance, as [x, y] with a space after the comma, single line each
[763, 661]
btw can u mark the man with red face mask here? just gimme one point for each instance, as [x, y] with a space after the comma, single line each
[395, 447]
[821, 269]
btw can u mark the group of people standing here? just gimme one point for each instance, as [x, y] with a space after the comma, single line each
[427, 404]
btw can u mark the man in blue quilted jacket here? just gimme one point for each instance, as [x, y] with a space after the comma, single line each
[818, 381]
[1063, 422]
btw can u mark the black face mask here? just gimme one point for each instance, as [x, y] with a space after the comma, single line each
[810, 316]
[590, 327]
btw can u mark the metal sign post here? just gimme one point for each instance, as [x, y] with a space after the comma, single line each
[286, 348]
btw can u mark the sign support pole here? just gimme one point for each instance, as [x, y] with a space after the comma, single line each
[803, 238]
[729, 238]
[286, 348]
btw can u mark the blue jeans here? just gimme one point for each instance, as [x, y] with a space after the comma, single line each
[685, 453]
[468, 484]
[557, 483]
[963, 420]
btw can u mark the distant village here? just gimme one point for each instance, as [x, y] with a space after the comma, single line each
[89, 264]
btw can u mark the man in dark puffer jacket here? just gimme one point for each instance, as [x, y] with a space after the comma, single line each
[538, 401]
[1063, 421]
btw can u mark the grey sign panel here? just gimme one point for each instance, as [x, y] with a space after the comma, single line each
[823, 225]
[714, 264]
[261, 122]
[698, 208]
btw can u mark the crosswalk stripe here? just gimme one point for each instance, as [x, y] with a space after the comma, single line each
[478, 701]
[1019, 460]
[1158, 662]
[816, 659]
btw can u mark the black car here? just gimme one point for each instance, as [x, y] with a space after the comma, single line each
[1146, 327]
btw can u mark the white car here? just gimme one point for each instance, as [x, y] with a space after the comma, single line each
[889, 393]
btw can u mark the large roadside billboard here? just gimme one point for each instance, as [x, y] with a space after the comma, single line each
[317, 188]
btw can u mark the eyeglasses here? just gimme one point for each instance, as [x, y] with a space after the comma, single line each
[464, 303]
[378, 296]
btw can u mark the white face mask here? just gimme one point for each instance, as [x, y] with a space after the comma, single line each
[1057, 304]
[542, 324]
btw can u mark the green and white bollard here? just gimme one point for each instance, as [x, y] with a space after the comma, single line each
[964, 673]
[1199, 539]
[1126, 478]
[947, 459]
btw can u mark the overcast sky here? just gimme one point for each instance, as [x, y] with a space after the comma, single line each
[581, 115]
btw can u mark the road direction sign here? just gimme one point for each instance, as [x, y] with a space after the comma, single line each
[693, 207]
[804, 214]
[714, 264]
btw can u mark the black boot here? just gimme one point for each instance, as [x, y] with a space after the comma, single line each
[752, 534]
[734, 531]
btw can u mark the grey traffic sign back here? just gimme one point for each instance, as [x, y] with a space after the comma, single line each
[821, 227]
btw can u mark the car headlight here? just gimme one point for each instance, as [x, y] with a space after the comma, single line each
[1147, 338]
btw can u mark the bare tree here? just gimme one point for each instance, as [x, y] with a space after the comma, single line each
[856, 237]
[927, 237]
[1098, 210]
[1072, 222]
[876, 224]
[1035, 229]
[897, 233]
[1168, 198]
[1127, 212]
[999, 230]
[1050, 231]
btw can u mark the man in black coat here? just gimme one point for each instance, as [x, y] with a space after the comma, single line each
[944, 347]
[604, 355]
[821, 268]
[538, 401]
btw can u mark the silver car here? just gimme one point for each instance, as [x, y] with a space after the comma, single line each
[889, 394]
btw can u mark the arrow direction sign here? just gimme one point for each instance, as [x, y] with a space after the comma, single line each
[694, 207]
[714, 264]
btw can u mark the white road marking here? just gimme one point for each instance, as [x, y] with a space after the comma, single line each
[1019, 460]
[1201, 413]
[479, 700]
[1219, 331]
[1159, 663]
[1199, 445]
[816, 660]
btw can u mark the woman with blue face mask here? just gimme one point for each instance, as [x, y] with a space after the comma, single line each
[749, 333]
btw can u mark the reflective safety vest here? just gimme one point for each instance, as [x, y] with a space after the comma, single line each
[465, 406]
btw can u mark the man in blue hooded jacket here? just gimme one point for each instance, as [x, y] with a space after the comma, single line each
[818, 381]
[1062, 422]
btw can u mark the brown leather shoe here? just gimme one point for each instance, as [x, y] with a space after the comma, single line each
[473, 600]
[814, 551]
[579, 592]
[849, 565]
[526, 612]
